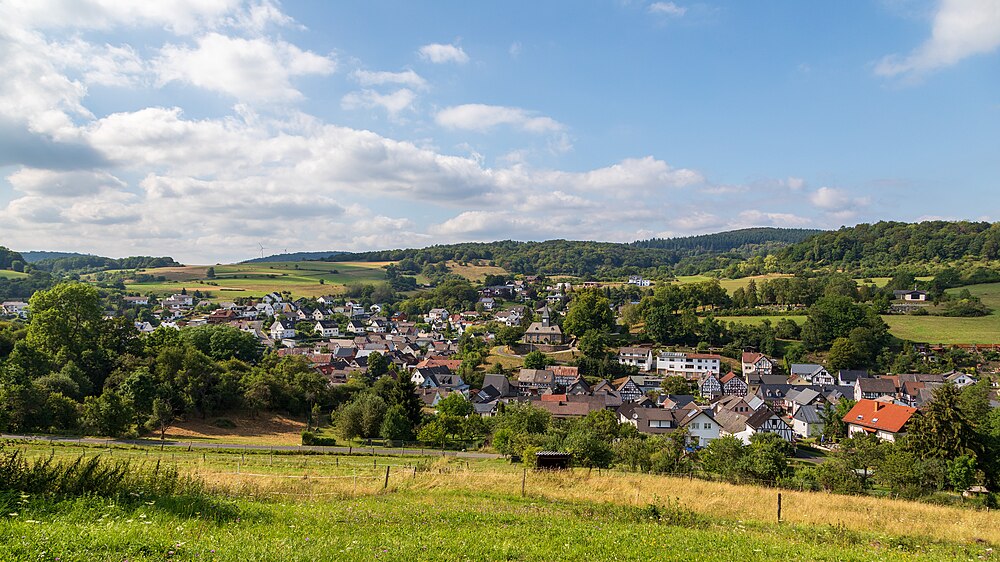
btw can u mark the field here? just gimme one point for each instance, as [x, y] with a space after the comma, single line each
[311, 507]
[473, 272]
[244, 280]
[938, 329]
[8, 274]
[729, 285]
[758, 320]
[266, 429]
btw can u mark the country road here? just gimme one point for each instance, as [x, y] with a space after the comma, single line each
[217, 445]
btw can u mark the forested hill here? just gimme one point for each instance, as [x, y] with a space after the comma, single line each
[37, 256]
[85, 263]
[884, 246]
[8, 257]
[294, 256]
[744, 239]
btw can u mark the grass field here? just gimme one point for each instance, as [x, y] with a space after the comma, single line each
[258, 279]
[758, 320]
[323, 507]
[265, 429]
[8, 274]
[939, 329]
[473, 272]
[729, 285]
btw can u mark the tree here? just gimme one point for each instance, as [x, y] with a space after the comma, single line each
[843, 355]
[455, 404]
[766, 458]
[833, 418]
[162, 416]
[509, 335]
[395, 425]
[962, 473]
[678, 385]
[594, 344]
[537, 360]
[108, 414]
[66, 317]
[723, 456]
[210, 273]
[589, 449]
[403, 393]
[589, 310]
[941, 430]
[378, 365]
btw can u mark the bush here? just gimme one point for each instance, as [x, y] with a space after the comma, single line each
[311, 438]
[224, 423]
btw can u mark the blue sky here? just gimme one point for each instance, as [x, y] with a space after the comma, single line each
[202, 128]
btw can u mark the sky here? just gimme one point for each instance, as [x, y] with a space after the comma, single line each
[205, 129]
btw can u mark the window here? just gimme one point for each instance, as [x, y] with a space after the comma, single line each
[708, 425]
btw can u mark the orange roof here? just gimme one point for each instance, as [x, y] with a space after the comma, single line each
[751, 357]
[553, 398]
[876, 415]
[704, 356]
[729, 376]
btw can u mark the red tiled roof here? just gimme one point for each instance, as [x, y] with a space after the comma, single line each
[729, 376]
[876, 415]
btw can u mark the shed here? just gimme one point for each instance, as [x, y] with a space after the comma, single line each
[552, 460]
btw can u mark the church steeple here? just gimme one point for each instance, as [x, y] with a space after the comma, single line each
[545, 316]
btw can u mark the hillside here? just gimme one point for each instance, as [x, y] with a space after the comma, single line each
[294, 256]
[746, 238]
[37, 256]
[882, 247]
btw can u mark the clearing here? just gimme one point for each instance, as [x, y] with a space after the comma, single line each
[265, 429]
[945, 330]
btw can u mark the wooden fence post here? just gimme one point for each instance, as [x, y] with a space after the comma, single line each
[779, 507]
[386, 484]
[524, 479]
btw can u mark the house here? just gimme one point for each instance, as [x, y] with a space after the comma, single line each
[960, 379]
[565, 375]
[846, 377]
[810, 373]
[136, 301]
[628, 389]
[701, 426]
[775, 396]
[762, 421]
[640, 357]
[282, 329]
[710, 386]
[756, 363]
[488, 303]
[638, 281]
[561, 408]
[436, 315]
[910, 296]
[883, 419]
[15, 308]
[327, 329]
[732, 385]
[544, 332]
[356, 327]
[871, 389]
[807, 421]
[653, 421]
[535, 380]
[689, 365]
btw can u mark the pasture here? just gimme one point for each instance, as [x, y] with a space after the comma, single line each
[758, 320]
[939, 329]
[258, 279]
[306, 507]
[8, 274]
[729, 285]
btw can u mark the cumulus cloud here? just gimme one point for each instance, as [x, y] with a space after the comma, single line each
[379, 78]
[62, 183]
[667, 9]
[961, 28]
[248, 69]
[482, 118]
[393, 103]
[438, 53]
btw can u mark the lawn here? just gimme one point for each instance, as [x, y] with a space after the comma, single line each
[8, 274]
[729, 285]
[258, 279]
[324, 507]
[939, 329]
[758, 320]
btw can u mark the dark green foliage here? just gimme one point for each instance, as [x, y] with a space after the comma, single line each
[8, 257]
[82, 264]
[537, 360]
[589, 310]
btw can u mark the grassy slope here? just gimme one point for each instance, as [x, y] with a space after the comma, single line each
[311, 507]
[937, 329]
[240, 280]
[757, 320]
[8, 274]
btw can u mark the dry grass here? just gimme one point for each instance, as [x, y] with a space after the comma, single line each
[474, 271]
[266, 429]
[718, 500]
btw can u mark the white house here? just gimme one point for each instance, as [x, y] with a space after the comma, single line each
[15, 308]
[756, 364]
[327, 329]
[282, 329]
[702, 427]
[690, 365]
[808, 421]
[812, 373]
[640, 357]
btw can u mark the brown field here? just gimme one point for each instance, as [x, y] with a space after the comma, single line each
[266, 429]
[474, 272]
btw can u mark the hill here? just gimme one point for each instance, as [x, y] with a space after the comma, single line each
[37, 256]
[81, 263]
[881, 248]
[295, 256]
[8, 257]
[752, 239]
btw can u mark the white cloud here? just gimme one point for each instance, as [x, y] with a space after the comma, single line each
[829, 198]
[961, 28]
[482, 118]
[667, 9]
[62, 184]
[632, 173]
[393, 103]
[248, 69]
[406, 78]
[515, 49]
[438, 53]
[178, 16]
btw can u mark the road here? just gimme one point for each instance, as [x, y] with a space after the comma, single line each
[217, 445]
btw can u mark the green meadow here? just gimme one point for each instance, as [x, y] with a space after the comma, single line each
[939, 329]
[258, 279]
[8, 274]
[263, 506]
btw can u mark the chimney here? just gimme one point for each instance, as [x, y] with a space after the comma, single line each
[879, 405]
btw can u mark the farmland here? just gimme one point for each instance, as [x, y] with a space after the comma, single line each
[306, 507]
[729, 285]
[758, 320]
[938, 329]
[244, 280]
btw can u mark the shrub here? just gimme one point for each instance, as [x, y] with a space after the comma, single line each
[311, 438]
[224, 423]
